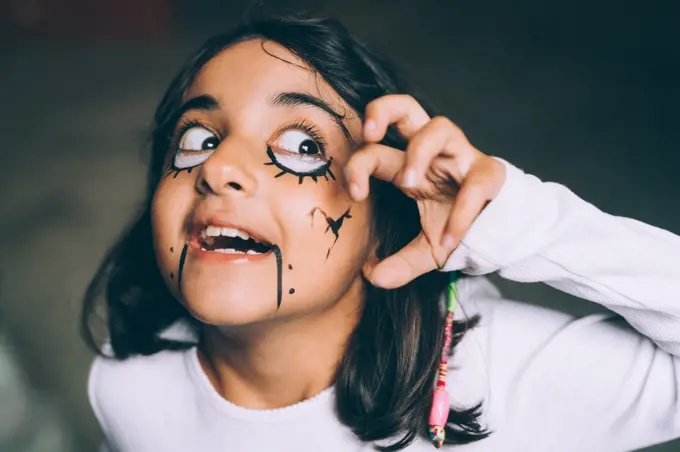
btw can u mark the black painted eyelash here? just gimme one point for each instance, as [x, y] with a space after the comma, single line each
[323, 171]
[173, 169]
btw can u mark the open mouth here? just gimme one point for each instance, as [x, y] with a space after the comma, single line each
[230, 241]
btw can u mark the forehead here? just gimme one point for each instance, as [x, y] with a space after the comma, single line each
[257, 70]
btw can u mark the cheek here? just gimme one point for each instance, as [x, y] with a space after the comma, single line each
[327, 237]
[169, 207]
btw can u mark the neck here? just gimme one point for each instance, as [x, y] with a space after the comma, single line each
[282, 362]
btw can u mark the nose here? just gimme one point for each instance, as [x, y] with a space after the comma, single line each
[227, 171]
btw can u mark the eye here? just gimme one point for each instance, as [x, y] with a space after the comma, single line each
[300, 154]
[194, 148]
[198, 139]
[298, 142]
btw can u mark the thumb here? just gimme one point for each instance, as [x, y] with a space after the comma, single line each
[402, 267]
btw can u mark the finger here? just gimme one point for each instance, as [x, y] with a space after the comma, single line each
[375, 160]
[468, 204]
[404, 266]
[430, 141]
[399, 109]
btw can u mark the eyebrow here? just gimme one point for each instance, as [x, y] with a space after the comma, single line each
[294, 99]
[289, 99]
[202, 103]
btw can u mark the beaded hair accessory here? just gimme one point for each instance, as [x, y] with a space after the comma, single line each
[440, 401]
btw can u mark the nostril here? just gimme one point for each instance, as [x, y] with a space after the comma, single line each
[204, 187]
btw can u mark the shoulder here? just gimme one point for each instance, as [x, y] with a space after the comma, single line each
[516, 333]
[502, 320]
[508, 332]
[137, 373]
[135, 388]
[550, 371]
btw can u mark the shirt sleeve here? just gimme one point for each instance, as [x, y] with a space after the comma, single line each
[95, 395]
[594, 383]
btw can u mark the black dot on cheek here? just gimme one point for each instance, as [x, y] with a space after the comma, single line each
[291, 291]
[290, 267]
[172, 250]
[172, 276]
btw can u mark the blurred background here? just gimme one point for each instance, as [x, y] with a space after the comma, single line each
[585, 93]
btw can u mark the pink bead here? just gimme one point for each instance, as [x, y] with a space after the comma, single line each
[440, 408]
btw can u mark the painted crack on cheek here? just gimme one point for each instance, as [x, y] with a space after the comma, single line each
[334, 225]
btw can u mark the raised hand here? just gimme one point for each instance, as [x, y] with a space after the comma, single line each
[450, 180]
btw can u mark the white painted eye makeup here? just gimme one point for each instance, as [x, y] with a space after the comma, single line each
[301, 153]
[195, 146]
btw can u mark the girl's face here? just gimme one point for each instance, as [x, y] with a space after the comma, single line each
[253, 220]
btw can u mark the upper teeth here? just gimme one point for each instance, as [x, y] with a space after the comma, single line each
[215, 231]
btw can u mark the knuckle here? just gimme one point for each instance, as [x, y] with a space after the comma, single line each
[367, 154]
[406, 98]
[387, 99]
[372, 107]
[425, 141]
[418, 142]
[442, 122]
[445, 124]
[358, 157]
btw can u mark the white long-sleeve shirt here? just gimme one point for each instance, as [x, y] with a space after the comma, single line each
[548, 381]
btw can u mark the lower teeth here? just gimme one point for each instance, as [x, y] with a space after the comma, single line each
[231, 251]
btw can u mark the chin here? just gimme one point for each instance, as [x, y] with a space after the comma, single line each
[227, 306]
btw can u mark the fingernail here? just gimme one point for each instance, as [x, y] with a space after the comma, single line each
[448, 242]
[355, 191]
[409, 179]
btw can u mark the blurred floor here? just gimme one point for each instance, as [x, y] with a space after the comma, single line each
[585, 97]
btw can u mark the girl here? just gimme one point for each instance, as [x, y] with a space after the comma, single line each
[279, 291]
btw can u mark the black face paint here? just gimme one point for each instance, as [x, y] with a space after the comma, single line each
[172, 170]
[333, 225]
[279, 275]
[182, 258]
[322, 171]
[291, 291]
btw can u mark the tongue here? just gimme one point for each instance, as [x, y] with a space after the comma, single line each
[236, 243]
[223, 242]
